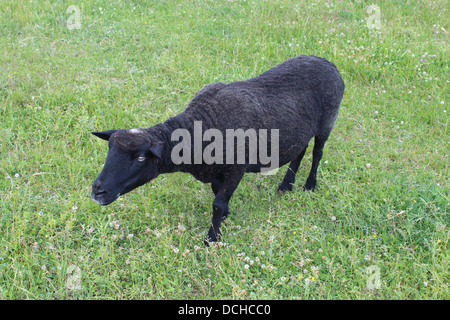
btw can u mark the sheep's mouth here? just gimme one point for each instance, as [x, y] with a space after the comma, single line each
[102, 198]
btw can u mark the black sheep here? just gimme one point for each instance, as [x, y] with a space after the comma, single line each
[282, 108]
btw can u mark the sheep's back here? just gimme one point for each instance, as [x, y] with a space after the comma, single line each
[299, 97]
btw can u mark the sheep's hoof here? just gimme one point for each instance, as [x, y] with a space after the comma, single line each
[309, 187]
[206, 242]
[211, 238]
[284, 187]
[209, 242]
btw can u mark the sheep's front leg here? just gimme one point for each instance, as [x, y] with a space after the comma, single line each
[223, 192]
[220, 211]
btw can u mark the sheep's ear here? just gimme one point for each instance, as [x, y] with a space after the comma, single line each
[105, 135]
[156, 149]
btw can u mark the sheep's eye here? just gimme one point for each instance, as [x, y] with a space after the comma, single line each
[140, 159]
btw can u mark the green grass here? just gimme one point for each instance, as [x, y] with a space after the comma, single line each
[383, 185]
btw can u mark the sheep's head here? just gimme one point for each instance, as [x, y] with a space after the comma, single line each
[133, 160]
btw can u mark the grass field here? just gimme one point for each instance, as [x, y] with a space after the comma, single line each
[377, 226]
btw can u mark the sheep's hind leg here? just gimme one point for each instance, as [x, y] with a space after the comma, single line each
[289, 178]
[319, 143]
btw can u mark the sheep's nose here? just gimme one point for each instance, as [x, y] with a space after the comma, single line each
[97, 188]
[98, 192]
